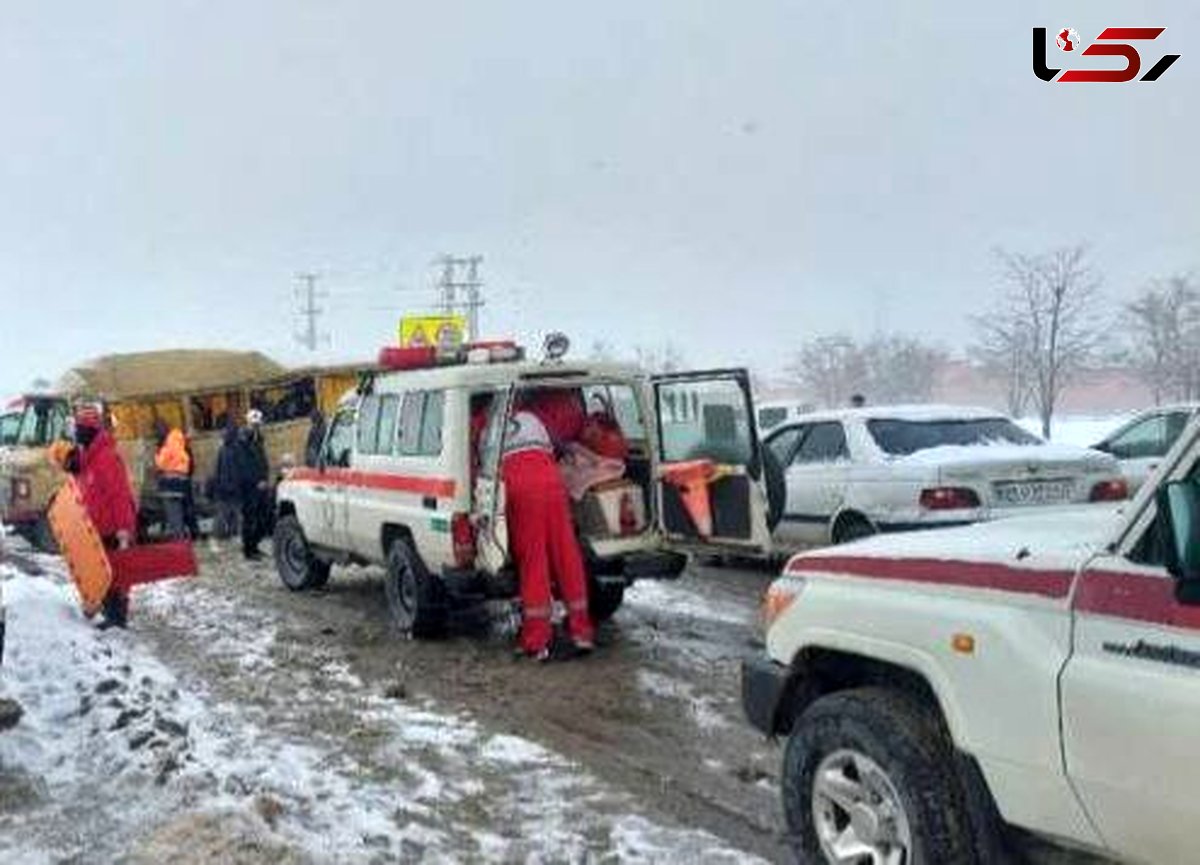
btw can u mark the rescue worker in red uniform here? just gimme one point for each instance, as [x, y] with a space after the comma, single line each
[107, 497]
[542, 538]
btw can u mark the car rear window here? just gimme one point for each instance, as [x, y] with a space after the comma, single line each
[903, 437]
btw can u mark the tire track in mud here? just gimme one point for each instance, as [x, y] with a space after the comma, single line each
[655, 713]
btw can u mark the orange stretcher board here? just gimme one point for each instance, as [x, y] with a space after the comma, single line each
[81, 547]
[95, 570]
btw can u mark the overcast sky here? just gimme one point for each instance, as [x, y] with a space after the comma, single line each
[731, 177]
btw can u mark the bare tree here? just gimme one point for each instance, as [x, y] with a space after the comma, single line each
[1164, 325]
[887, 368]
[1002, 351]
[901, 369]
[1050, 303]
[830, 368]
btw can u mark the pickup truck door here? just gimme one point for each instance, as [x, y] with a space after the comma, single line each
[706, 419]
[1131, 705]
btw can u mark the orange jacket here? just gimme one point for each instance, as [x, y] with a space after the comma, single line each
[172, 458]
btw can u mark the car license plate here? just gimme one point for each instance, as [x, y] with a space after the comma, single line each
[1021, 493]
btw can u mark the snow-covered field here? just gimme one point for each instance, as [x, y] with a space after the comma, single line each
[123, 757]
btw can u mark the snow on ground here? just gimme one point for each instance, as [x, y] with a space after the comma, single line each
[120, 750]
[703, 709]
[1081, 430]
[680, 599]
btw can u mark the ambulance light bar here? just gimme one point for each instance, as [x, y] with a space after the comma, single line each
[395, 359]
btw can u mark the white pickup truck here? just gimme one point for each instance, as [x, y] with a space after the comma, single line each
[1041, 672]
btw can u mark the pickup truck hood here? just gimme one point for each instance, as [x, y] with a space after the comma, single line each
[1052, 539]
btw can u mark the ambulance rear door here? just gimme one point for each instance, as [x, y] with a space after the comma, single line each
[709, 478]
[491, 526]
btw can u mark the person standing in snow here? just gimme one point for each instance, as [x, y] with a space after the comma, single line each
[173, 463]
[542, 537]
[224, 487]
[107, 497]
[254, 485]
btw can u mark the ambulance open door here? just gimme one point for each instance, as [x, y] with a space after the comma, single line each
[709, 485]
[492, 527]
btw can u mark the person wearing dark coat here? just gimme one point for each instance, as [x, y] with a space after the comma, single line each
[316, 438]
[224, 487]
[254, 485]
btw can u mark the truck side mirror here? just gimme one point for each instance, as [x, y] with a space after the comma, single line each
[1179, 511]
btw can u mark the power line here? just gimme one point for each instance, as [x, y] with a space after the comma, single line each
[461, 274]
[309, 311]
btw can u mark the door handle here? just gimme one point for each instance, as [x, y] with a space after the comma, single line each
[319, 489]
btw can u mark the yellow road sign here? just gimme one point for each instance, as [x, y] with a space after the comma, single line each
[443, 331]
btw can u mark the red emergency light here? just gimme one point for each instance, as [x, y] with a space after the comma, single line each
[395, 359]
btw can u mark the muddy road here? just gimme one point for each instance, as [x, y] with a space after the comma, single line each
[249, 724]
[655, 712]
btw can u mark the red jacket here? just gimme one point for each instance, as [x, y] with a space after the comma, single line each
[104, 484]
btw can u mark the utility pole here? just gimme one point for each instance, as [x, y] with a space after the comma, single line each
[461, 274]
[308, 296]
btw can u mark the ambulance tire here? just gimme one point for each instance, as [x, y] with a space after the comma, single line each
[416, 599]
[776, 487]
[298, 568]
[604, 601]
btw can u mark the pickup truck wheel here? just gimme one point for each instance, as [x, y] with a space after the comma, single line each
[415, 598]
[298, 568]
[604, 600]
[869, 778]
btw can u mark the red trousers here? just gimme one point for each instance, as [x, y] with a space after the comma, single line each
[542, 540]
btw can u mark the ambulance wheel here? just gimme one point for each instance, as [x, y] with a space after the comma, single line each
[604, 601]
[415, 598]
[299, 569]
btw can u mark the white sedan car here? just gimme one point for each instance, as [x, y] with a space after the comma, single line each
[1141, 443]
[854, 472]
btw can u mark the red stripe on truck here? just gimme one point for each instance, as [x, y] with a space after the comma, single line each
[1136, 597]
[1141, 597]
[943, 572]
[442, 488]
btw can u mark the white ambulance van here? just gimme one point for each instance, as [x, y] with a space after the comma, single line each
[403, 482]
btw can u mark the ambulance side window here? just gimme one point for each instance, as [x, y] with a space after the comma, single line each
[389, 411]
[409, 433]
[368, 425]
[431, 424]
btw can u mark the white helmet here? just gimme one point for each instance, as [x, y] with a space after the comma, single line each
[254, 417]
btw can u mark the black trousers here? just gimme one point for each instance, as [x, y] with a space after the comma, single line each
[256, 519]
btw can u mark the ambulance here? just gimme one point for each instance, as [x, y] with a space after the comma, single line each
[403, 482]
